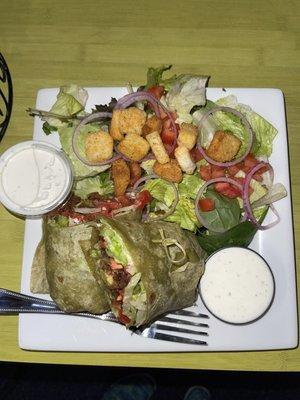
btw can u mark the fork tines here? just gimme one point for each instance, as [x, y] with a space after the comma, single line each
[186, 327]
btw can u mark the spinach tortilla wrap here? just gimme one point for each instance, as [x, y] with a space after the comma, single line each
[148, 269]
[71, 283]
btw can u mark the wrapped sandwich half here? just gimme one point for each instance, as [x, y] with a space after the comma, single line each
[148, 269]
[60, 268]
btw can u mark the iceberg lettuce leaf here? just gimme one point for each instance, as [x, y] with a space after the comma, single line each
[101, 184]
[186, 92]
[184, 214]
[164, 196]
[115, 246]
[190, 185]
[70, 100]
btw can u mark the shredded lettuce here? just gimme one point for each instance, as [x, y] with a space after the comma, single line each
[135, 300]
[59, 221]
[163, 193]
[148, 166]
[101, 184]
[115, 246]
[275, 193]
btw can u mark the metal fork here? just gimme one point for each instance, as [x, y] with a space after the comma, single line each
[12, 303]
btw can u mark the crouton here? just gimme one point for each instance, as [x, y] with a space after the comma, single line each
[184, 159]
[223, 147]
[134, 147]
[98, 146]
[128, 120]
[153, 124]
[135, 172]
[170, 171]
[187, 135]
[121, 176]
[114, 130]
[157, 147]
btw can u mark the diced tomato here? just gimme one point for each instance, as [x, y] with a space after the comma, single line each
[124, 200]
[217, 172]
[246, 169]
[195, 154]
[169, 150]
[205, 172]
[102, 244]
[143, 198]
[114, 264]
[156, 91]
[227, 190]
[257, 177]
[234, 169]
[206, 204]
[241, 181]
[250, 161]
[168, 136]
[123, 318]
[263, 169]
[113, 205]
[120, 297]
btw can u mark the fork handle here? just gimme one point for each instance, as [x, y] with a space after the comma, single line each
[15, 303]
[12, 303]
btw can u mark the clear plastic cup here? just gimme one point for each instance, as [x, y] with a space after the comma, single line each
[35, 178]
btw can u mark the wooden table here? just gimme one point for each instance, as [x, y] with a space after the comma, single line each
[108, 43]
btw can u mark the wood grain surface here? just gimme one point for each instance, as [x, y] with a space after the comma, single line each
[108, 43]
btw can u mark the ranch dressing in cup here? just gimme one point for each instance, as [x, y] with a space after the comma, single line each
[35, 178]
[237, 286]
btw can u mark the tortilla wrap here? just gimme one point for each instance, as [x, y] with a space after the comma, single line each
[163, 275]
[38, 279]
[60, 268]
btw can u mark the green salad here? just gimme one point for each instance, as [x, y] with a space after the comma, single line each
[172, 153]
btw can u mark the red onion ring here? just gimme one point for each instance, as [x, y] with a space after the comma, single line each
[202, 190]
[246, 200]
[90, 118]
[131, 98]
[245, 123]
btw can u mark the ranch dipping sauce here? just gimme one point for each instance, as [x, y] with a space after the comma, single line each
[237, 286]
[35, 178]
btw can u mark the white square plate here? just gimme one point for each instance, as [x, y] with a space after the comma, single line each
[276, 330]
